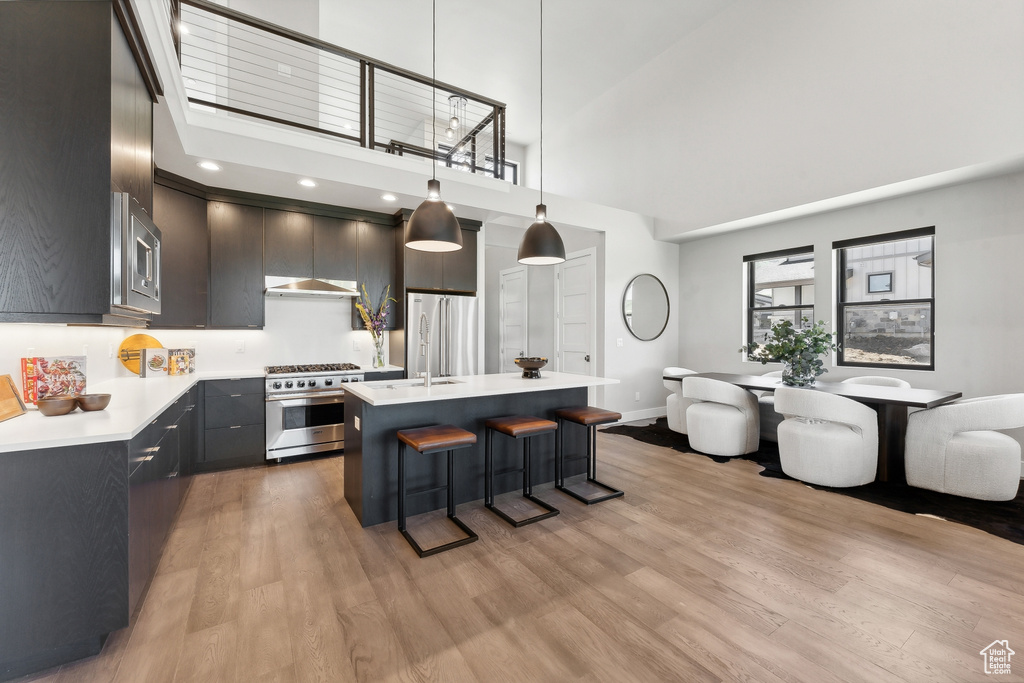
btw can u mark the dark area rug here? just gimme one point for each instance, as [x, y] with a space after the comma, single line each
[1003, 519]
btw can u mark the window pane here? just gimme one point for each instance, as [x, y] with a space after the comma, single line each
[763, 321]
[890, 271]
[778, 281]
[893, 334]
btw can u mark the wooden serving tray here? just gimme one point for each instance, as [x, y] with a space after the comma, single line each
[11, 404]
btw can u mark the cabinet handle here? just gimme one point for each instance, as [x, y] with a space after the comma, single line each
[172, 426]
[236, 427]
[235, 395]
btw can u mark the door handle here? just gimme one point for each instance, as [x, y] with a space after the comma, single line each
[587, 358]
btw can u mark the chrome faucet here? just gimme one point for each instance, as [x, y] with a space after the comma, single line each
[425, 346]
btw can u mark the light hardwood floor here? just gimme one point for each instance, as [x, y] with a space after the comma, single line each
[702, 572]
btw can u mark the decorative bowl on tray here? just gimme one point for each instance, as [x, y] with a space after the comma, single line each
[531, 366]
[56, 405]
[89, 402]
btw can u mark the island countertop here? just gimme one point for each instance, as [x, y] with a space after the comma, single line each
[396, 392]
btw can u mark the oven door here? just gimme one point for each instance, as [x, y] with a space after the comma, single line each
[305, 424]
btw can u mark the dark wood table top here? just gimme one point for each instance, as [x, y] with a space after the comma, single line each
[865, 393]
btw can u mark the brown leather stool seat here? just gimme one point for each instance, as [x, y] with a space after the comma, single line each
[427, 440]
[517, 427]
[590, 418]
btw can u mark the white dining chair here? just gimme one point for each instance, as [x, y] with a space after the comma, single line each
[878, 381]
[954, 448]
[676, 404]
[826, 439]
[722, 419]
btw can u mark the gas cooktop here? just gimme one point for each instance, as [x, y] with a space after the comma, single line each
[302, 369]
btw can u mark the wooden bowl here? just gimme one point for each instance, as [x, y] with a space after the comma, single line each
[531, 366]
[56, 405]
[93, 401]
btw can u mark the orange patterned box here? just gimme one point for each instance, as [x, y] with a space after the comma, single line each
[57, 376]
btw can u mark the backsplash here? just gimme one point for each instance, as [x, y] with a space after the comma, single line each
[295, 331]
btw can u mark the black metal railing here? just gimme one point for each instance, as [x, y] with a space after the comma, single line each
[243, 66]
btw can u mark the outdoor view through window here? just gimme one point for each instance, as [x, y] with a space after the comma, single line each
[780, 287]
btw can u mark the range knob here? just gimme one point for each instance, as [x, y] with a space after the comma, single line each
[277, 385]
[354, 379]
[301, 383]
[343, 379]
[312, 382]
[288, 384]
[329, 382]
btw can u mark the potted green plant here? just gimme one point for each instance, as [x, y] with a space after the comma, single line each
[799, 350]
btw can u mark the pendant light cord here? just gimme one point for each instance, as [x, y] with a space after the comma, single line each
[541, 101]
[433, 90]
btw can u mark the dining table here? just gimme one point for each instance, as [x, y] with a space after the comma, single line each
[891, 404]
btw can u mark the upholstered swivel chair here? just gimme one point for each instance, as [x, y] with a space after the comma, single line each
[952, 448]
[826, 439]
[878, 381]
[722, 420]
[770, 419]
[675, 404]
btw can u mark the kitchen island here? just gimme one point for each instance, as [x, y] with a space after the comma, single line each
[374, 411]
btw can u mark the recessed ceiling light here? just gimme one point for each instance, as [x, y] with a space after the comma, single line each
[306, 182]
[183, 27]
[348, 126]
[388, 197]
[208, 165]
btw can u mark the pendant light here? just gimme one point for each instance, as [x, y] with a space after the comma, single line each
[541, 245]
[433, 226]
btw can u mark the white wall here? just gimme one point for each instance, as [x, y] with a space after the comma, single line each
[771, 105]
[296, 331]
[978, 246]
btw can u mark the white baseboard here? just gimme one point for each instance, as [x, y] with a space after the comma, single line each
[647, 414]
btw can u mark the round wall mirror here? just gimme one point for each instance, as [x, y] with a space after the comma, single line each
[645, 307]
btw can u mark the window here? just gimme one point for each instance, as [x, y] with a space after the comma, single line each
[886, 300]
[780, 286]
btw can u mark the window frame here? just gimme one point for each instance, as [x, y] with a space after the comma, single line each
[842, 302]
[748, 262]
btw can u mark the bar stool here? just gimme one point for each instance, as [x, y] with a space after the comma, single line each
[518, 427]
[589, 418]
[429, 440]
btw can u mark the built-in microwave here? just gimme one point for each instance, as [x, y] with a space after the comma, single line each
[135, 258]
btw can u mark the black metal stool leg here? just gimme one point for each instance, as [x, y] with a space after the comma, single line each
[559, 479]
[550, 510]
[591, 457]
[401, 486]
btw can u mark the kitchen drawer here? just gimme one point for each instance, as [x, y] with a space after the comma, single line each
[236, 443]
[231, 411]
[377, 375]
[229, 387]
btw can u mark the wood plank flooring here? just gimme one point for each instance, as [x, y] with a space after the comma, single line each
[702, 572]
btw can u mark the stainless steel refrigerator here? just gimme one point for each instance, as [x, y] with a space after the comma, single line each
[454, 334]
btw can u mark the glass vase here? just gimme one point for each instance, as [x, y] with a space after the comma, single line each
[378, 352]
[798, 374]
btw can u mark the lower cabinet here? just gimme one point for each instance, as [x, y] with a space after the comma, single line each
[377, 375]
[158, 459]
[234, 424]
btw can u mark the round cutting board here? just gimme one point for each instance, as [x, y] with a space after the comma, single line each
[130, 350]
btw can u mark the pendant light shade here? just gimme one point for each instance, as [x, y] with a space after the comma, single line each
[433, 226]
[541, 245]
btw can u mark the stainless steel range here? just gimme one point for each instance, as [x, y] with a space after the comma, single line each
[306, 408]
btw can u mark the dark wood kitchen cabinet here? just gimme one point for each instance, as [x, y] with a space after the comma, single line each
[288, 243]
[377, 270]
[234, 419]
[186, 258]
[335, 245]
[236, 265]
[76, 114]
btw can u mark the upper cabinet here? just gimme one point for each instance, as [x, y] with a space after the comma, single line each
[288, 241]
[335, 245]
[377, 270]
[452, 271]
[186, 257]
[76, 114]
[236, 265]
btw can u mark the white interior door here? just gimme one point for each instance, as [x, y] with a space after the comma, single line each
[514, 316]
[576, 312]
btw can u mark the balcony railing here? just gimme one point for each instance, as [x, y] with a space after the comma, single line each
[243, 66]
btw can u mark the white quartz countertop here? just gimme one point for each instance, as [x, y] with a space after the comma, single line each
[393, 392]
[134, 403]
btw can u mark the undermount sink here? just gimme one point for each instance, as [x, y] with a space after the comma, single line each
[419, 383]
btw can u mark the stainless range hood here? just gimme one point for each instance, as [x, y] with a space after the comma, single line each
[309, 288]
